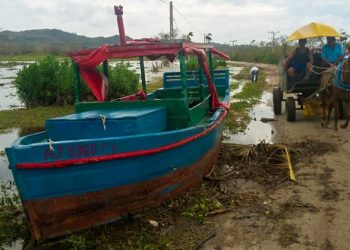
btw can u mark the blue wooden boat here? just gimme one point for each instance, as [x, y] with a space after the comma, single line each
[114, 157]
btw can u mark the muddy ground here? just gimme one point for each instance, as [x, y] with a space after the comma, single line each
[313, 213]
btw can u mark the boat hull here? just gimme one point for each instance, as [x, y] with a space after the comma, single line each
[65, 196]
[53, 217]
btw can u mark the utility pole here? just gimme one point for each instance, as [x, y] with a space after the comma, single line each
[171, 22]
[273, 38]
[204, 38]
[233, 42]
[233, 45]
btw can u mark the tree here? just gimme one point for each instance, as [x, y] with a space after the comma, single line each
[166, 36]
[208, 37]
[189, 36]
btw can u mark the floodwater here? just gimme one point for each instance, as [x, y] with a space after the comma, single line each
[8, 96]
[258, 129]
[153, 69]
[5, 141]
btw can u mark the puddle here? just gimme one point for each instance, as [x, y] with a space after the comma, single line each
[6, 140]
[234, 70]
[257, 130]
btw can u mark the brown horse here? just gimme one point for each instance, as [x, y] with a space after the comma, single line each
[326, 95]
[340, 95]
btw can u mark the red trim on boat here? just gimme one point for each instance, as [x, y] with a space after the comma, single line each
[67, 163]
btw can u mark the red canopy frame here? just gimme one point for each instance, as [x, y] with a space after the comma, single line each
[88, 60]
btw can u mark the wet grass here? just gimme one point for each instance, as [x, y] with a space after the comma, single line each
[238, 117]
[13, 225]
[33, 117]
[27, 57]
[155, 84]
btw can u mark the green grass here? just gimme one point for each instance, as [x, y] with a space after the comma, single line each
[34, 117]
[27, 57]
[238, 117]
[156, 84]
[243, 75]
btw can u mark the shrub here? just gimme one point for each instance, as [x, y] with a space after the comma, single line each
[47, 82]
[50, 82]
[122, 81]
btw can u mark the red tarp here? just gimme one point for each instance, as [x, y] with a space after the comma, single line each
[88, 60]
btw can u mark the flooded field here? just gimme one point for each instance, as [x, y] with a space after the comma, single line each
[259, 129]
[8, 94]
[5, 140]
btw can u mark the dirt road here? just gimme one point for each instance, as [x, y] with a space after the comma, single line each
[313, 213]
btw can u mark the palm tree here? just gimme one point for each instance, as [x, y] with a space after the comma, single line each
[189, 36]
[208, 37]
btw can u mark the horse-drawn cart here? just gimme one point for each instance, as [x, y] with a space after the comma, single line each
[297, 91]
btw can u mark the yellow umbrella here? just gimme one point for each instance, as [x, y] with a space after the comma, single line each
[314, 30]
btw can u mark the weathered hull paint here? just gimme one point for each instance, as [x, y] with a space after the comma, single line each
[58, 201]
[53, 217]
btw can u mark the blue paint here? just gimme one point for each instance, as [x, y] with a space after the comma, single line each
[90, 124]
[45, 183]
[173, 79]
[81, 135]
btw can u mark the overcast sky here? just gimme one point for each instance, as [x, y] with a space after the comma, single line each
[241, 20]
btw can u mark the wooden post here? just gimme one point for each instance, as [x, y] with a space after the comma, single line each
[76, 78]
[105, 72]
[211, 67]
[143, 78]
[200, 78]
[183, 75]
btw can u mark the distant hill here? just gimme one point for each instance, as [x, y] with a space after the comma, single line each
[48, 41]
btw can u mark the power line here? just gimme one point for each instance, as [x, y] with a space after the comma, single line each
[165, 2]
[186, 19]
[182, 15]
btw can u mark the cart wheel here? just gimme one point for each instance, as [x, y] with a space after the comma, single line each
[290, 109]
[277, 96]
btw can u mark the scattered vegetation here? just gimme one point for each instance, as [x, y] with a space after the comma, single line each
[238, 117]
[28, 57]
[193, 65]
[13, 225]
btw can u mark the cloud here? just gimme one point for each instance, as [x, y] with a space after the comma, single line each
[242, 20]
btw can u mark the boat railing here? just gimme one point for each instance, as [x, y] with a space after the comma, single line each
[173, 79]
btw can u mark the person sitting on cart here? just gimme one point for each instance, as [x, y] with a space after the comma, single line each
[332, 53]
[298, 60]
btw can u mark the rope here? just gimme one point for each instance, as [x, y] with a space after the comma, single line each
[51, 145]
[325, 68]
[317, 73]
[103, 119]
